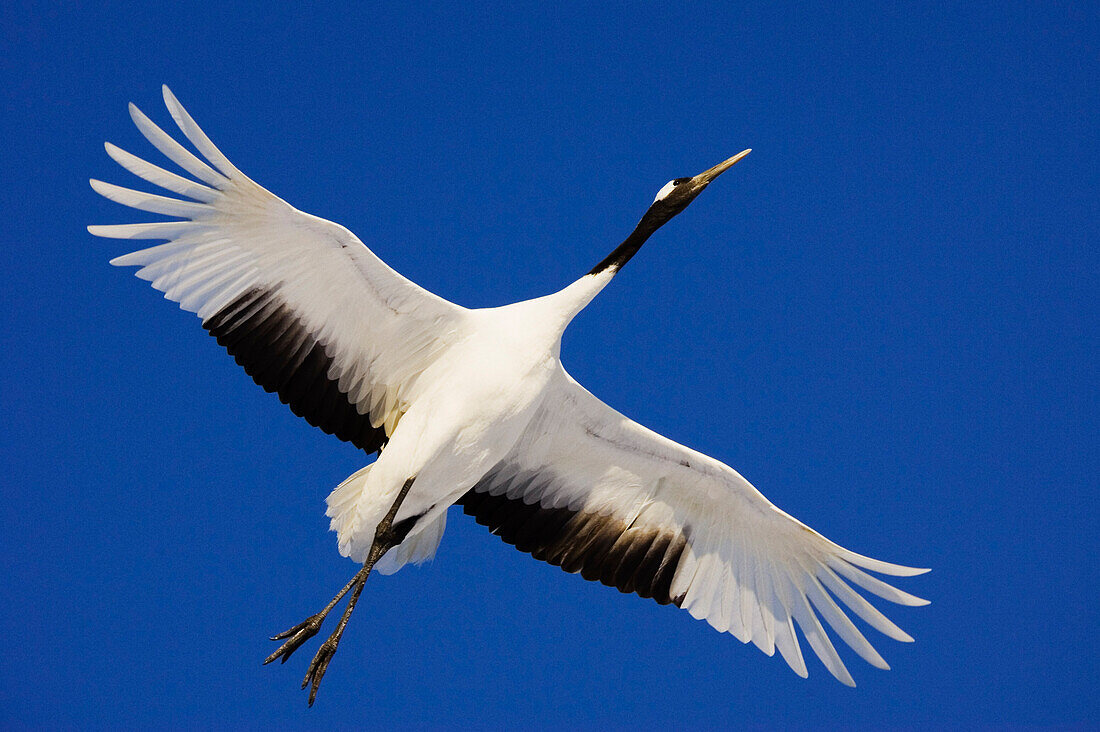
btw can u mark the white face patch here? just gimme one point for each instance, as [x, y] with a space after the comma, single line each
[665, 191]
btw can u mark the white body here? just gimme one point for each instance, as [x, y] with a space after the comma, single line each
[475, 404]
[465, 414]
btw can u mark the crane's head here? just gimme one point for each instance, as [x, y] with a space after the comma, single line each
[673, 198]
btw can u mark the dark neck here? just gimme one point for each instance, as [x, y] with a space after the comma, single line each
[654, 218]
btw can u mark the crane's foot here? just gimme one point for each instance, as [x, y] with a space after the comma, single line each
[319, 664]
[297, 635]
[386, 536]
[309, 627]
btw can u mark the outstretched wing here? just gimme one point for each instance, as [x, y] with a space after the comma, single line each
[308, 310]
[593, 492]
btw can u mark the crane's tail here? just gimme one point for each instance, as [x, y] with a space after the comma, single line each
[343, 508]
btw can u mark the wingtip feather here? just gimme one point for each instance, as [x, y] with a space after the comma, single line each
[877, 565]
[99, 187]
[170, 100]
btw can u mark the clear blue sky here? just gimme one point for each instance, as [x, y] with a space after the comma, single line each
[885, 317]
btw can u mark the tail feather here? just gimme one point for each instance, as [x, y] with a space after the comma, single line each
[343, 508]
[417, 548]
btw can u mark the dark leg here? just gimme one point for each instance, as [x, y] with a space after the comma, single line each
[384, 540]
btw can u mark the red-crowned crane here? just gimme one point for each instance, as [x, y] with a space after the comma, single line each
[473, 407]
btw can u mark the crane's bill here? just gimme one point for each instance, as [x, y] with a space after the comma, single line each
[711, 173]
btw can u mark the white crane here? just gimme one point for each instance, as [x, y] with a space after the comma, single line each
[474, 407]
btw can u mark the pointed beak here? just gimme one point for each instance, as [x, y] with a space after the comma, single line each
[703, 179]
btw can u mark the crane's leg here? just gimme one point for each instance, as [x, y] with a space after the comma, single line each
[386, 536]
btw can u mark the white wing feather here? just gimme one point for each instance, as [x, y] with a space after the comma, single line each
[748, 568]
[378, 328]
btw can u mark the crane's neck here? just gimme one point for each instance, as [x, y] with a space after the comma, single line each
[565, 305]
[557, 310]
[656, 217]
[570, 301]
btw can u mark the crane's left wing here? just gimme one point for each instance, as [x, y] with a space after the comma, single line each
[594, 492]
[303, 305]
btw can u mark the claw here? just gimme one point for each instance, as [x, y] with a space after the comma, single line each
[318, 666]
[299, 626]
[297, 635]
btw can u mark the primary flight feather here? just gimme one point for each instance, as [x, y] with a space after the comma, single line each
[473, 407]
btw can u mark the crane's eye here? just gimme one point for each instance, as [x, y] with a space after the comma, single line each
[667, 188]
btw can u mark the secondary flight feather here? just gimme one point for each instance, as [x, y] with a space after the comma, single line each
[473, 407]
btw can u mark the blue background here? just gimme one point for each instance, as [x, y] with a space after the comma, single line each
[885, 317]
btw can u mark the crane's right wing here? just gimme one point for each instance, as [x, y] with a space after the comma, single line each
[593, 492]
[303, 305]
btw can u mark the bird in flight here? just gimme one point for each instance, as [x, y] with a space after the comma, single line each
[473, 407]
